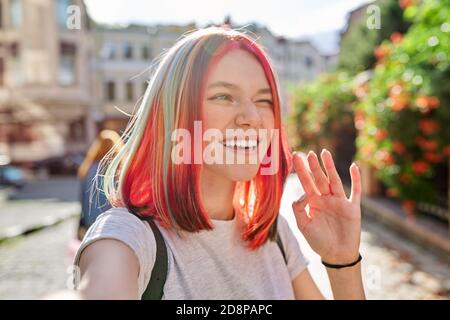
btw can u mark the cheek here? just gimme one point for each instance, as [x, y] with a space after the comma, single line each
[267, 118]
[216, 117]
[268, 124]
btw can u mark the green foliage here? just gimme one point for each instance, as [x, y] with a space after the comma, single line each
[321, 108]
[404, 117]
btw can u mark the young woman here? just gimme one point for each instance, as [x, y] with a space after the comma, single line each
[218, 219]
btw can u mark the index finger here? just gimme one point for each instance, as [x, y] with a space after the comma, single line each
[303, 175]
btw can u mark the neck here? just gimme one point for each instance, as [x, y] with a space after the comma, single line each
[217, 195]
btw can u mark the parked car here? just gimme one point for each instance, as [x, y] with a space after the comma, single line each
[62, 165]
[12, 176]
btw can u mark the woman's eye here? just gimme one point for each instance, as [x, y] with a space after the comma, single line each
[222, 97]
[265, 101]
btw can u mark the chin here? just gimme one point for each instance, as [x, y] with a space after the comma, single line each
[241, 172]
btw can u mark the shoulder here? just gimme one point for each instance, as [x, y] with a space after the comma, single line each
[108, 270]
[115, 215]
[121, 225]
[119, 222]
[296, 261]
[286, 233]
[283, 227]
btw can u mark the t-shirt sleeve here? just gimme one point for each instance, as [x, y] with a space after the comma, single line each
[296, 261]
[121, 225]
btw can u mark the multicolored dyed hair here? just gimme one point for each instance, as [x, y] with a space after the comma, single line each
[142, 176]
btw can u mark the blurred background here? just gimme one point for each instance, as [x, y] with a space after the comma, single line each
[366, 79]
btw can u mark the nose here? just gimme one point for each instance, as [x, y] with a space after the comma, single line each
[248, 115]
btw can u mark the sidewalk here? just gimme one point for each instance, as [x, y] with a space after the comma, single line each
[424, 231]
[39, 204]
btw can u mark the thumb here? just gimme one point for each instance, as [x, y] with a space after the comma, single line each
[301, 215]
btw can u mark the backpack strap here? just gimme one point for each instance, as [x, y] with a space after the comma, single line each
[280, 245]
[155, 287]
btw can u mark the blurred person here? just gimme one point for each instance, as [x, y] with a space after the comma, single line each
[93, 200]
[213, 230]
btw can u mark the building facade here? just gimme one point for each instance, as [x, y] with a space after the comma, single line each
[294, 60]
[63, 77]
[124, 56]
[45, 79]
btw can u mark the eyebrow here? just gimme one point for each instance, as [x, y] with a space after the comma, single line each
[233, 86]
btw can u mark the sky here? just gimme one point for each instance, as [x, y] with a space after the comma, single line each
[318, 20]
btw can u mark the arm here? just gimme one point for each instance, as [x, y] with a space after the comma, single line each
[305, 288]
[109, 270]
[347, 283]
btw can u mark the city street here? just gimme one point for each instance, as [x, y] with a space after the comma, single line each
[36, 264]
[393, 268]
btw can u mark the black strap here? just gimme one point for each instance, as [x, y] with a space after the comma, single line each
[280, 245]
[340, 266]
[155, 287]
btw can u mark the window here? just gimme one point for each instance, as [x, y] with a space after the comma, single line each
[128, 51]
[110, 91]
[108, 51]
[16, 13]
[1, 15]
[16, 65]
[308, 62]
[2, 72]
[22, 133]
[67, 64]
[145, 53]
[77, 130]
[61, 12]
[129, 91]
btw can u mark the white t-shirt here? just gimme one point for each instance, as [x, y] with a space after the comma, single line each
[214, 264]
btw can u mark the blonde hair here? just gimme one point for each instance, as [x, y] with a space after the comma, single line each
[105, 142]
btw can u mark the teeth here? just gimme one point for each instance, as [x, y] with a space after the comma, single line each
[230, 143]
[241, 143]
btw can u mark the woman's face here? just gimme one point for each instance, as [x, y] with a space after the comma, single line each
[238, 103]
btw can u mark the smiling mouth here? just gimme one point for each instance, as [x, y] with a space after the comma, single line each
[241, 144]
